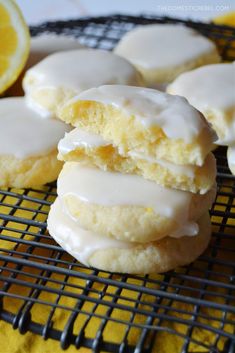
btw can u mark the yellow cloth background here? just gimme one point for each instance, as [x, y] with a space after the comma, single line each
[13, 342]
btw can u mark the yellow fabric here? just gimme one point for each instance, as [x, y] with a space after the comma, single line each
[13, 342]
[227, 19]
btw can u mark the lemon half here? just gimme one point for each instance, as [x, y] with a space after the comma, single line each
[14, 43]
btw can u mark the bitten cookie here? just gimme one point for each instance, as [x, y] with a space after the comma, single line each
[143, 121]
[62, 75]
[82, 146]
[163, 51]
[28, 145]
[129, 207]
[211, 89]
[117, 256]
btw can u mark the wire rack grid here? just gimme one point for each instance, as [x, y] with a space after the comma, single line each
[45, 291]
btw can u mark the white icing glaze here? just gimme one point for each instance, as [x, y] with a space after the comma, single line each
[173, 114]
[190, 229]
[210, 88]
[77, 241]
[180, 169]
[80, 138]
[48, 43]
[24, 133]
[82, 243]
[105, 188]
[161, 46]
[79, 70]
[40, 110]
[231, 157]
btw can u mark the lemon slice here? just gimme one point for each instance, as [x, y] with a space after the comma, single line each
[14, 43]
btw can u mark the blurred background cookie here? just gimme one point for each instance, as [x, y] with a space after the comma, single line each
[211, 89]
[162, 51]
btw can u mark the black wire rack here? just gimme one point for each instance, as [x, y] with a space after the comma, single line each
[45, 291]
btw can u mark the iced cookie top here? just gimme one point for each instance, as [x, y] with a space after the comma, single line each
[159, 46]
[23, 133]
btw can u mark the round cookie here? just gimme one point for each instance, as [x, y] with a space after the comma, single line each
[211, 89]
[129, 207]
[28, 145]
[163, 51]
[231, 159]
[82, 146]
[62, 75]
[112, 255]
[40, 47]
[142, 121]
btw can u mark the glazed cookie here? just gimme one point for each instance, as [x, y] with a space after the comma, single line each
[142, 121]
[82, 146]
[119, 256]
[28, 145]
[231, 159]
[161, 52]
[62, 75]
[40, 47]
[211, 89]
[129, 207]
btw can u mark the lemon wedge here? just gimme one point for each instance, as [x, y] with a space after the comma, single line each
[14, 43]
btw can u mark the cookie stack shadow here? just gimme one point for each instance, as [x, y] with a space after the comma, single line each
[137, 183]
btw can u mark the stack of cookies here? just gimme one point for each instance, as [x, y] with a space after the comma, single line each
[137, 183]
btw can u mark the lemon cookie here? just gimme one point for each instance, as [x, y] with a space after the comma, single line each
[144, 121]
[28, 145]
[163, 51]
[211, 89]
[231, 159]
[119, 256]
[82, 146]
[64, 74]
[127, 206]
[40, 47]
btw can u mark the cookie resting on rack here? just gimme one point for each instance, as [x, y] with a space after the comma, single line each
[63, 75]
[28, 145]
[120, 256]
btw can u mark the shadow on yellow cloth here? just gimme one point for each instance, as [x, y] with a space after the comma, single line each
[14, 342]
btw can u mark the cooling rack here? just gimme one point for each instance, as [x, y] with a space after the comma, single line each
[44, 290]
